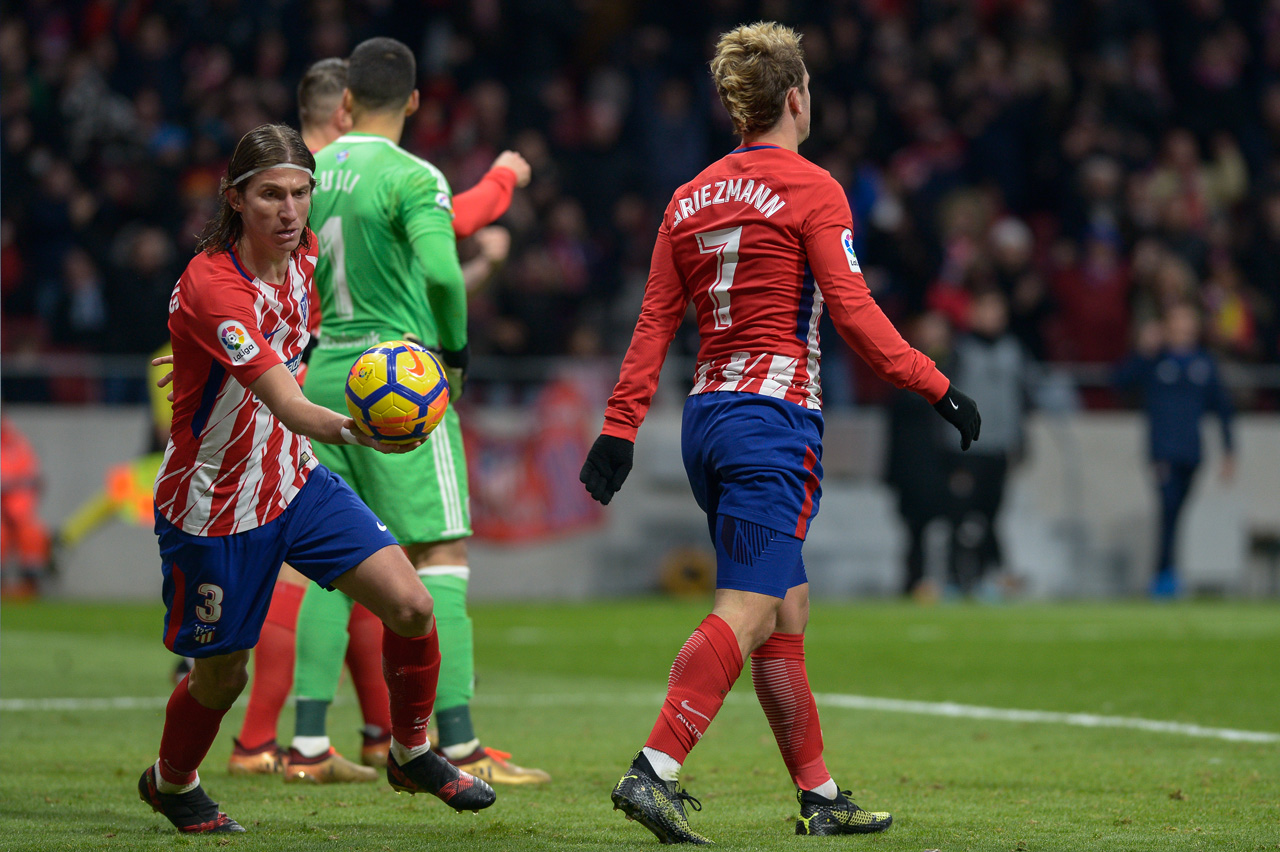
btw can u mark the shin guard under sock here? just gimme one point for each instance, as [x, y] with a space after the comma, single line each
[782, 685]
[189, 731]
[411, 668]
[703, 673]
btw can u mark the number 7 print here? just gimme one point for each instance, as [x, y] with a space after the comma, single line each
[724, 245]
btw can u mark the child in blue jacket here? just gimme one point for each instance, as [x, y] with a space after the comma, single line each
[1179, 381]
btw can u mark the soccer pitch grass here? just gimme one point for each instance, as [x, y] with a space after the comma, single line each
[575, 688]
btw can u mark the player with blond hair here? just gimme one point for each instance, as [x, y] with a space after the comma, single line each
[759, 242]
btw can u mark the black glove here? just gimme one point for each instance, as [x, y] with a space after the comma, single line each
[455, 363]
[606, 467]
[961, 412]
[455, 369]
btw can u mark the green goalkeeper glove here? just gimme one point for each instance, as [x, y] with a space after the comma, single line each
[455, 369]
[455, 364]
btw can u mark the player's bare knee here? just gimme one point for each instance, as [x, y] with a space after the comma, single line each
[412, 616]
[761, 630]
[217, 681]
[793, 616]
[452, 552]
[234, 680]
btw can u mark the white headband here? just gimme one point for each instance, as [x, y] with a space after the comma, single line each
[253, 172]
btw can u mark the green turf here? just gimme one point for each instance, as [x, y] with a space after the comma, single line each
[574, 689]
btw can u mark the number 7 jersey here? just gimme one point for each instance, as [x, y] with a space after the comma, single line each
[740, 241]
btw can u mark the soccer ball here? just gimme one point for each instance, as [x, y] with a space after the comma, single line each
[397, 392]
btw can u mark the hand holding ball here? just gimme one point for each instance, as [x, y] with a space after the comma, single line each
[397, 392]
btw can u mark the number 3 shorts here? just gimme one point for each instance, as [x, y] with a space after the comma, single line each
[217, 588]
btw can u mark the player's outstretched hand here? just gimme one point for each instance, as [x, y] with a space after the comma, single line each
[494, 243]
[961, 412]
[518, 164]
[352, 435]
[167, 378]
[606, 467]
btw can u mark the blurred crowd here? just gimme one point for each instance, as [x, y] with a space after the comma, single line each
[1095, 161]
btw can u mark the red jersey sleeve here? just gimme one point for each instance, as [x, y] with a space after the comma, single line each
[313, 295]
[483, 203]
[665, 302]
[216, 312]
[312, 304]
[828, 242]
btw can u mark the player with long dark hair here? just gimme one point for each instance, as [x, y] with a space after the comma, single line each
[325, 118]
[240, 490]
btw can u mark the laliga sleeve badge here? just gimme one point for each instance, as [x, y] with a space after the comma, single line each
[236, 340]
[846, 241]
[444, 202]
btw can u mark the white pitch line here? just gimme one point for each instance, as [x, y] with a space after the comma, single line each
[1081, 720]
[76, 704]
[843, 702]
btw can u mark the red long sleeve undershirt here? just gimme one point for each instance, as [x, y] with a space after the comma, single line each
[484, 203]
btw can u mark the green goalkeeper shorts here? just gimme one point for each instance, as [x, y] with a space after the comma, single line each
[421, 496]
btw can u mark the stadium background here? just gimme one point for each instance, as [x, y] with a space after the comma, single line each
[1093, 160]
[958, 128]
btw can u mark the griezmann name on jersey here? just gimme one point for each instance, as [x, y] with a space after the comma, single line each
[760, 242]
[231, 465]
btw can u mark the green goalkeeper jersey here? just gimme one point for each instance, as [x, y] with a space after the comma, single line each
[388, 262]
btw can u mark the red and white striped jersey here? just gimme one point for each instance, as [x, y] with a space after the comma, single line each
[231, 465]
[739, 241]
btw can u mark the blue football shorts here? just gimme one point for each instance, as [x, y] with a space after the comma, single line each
[758, 461]
[217, 588]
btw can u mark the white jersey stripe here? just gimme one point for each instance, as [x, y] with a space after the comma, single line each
[768, 374]
[781, 372]
[815, 353]
[245, 502]
[206, 470]
[733, 371]
[233, 470]
[244, 466]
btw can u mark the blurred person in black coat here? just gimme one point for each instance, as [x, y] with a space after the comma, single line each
[917, 465]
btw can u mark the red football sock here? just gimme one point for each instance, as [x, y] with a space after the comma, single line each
[701, 676]
[411, 668]
[364, 659]
[189, 731]
[782, 685]
[272, 667]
